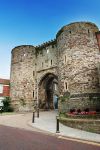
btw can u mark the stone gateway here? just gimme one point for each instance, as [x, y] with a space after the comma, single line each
[68, 64]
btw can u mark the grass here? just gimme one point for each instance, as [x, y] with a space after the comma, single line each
[7, 113]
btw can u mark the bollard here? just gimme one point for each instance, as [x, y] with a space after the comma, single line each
[57, 124]
[33, 118]
[37, 112]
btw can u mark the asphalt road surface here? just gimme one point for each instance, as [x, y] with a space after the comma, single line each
[20, 139]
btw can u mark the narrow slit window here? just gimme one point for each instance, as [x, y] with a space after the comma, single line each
[24, 54]
[33, 94]
[66, 86]
[70, 32]
[42, 64]
[65, 58]
[53, 46]
[47, 51]
[55, 87]
[33, 73]
[51, 62]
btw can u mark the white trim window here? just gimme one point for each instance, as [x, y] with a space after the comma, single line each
[1, 88]
[55, 86]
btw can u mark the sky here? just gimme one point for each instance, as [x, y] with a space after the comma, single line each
[33, 22]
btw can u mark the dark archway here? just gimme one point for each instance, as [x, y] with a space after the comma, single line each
[48, 88]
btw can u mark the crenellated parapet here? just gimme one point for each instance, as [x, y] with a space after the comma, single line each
[45, 45]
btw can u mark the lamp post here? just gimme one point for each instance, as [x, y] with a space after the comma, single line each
[36, 91]
[37, 101]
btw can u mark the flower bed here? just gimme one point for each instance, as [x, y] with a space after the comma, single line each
[90, 125]
[84, 120]
[83, 113]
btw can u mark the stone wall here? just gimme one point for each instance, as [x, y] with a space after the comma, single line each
[98, 38]
[78, 60]
[22, 81]
[72, 58]
[81, 102]
[28, 66]
[46, 60]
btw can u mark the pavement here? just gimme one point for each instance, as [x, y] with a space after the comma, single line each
[46, 123]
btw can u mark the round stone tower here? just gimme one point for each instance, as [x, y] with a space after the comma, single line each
[78, 54]
[22, 82]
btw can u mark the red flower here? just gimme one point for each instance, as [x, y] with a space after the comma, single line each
[92, 112]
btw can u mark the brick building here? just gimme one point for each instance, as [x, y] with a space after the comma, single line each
[4, 88]
[67, 64]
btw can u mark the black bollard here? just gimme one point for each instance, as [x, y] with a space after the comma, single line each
[57, 124]
[37, 112]
[33, 118]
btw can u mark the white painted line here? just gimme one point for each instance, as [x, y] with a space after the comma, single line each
[77, 140]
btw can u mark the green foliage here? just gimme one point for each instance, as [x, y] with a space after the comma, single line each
[22, 102]
[62, 115]
[7, 105]
[64, 98]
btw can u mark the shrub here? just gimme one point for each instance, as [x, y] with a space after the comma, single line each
[7, 105]
[79, 110]
[63, 98]
[72, 110]
[97, 110]
[22, 102]
[86, 110]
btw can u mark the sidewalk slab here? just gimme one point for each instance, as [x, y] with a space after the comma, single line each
[47, 122]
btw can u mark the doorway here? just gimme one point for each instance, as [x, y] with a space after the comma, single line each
[47, 93]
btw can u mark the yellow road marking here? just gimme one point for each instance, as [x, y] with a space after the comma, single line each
[77, 140]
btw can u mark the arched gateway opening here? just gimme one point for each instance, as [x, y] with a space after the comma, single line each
[48, 92]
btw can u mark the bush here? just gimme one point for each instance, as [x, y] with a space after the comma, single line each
[72, 110]
[7, 105]
[79, 110]
[86, 110]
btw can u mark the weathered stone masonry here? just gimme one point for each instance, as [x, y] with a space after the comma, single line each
[69, 62]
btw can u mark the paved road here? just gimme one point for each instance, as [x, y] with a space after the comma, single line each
[20, 139]
[17, 120]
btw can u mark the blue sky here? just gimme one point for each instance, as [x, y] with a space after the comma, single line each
[33, 22]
